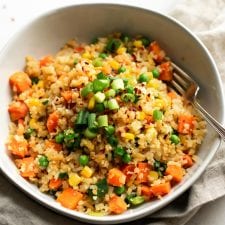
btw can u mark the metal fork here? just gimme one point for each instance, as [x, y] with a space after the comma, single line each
[186, 86]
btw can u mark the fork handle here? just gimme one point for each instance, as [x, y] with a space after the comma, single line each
[215, 124]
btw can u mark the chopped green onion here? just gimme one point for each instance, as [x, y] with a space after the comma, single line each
[102, 76]
[82, 118]
[87, 90]
[110, 130]
[94, 41]
[160, 167]
[119, 190]
[112, 140]
[130, 89]
[174, 139]
[155, 73]
[122, 69]
[112, 104]
[28, 133]
[143, 78]
[100, 85]
[69, 135]
[103, 55]
[117, 84]
[102, 121]
[83, 160]
[128, 97]
[157, 114]
[99, 97]
[75, 61]
[136, 200]
[45, 102]
[126, 158]
[63, 175]
[110, 93]
[99, 107]
[125, 81]
[145, 41]
[89, 134]
[119, 150]
[43, 161]
[102, 187]
[59, 138]
[34, 80]
[92, 123]
[112, 45]
[97, 62]
[125, 38]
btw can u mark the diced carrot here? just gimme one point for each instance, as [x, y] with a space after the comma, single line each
[175, 171]
[67, 95]
[147, 191]
[149, 119]
[128, 171]
[117, 205]
[172, 94]
[166, 72]
[116, 177]
[79, 49]
[161, 189]
[143, 172]
[20, 82]
[27, 167]
[46, 60]
[69, 198]
[17, 110]
[18, 146]
[52, 122]
[185, 124]
[158, 53]
[53, 145]
[188, 162]
[54, 184]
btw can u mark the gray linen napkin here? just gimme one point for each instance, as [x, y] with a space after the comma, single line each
[18, 209]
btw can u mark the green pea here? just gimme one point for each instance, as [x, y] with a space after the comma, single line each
[119, 150]
[97, 62]
[28, 133]
[122, 69]
[59, 138]
[103, 55]
[155, 73]
[83, 160]
[110, 130]
[143, 78]
[43, 161]
[130, 89]
[137, 200]
[126, 158]
[69, 134]
[157, 114]
[119, 190]
[174, 139]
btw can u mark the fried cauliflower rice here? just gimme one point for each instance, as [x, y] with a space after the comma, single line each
[97, 127]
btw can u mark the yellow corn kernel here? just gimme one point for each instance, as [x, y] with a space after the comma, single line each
[151, 133]
[86, 55]
[128, 136]
[159, 103]
[87, 172]
[153, 83]
[114, 64]
[74, 179]
[33, 124]
[33, 102]
[153, 175]
[137, 43]
[121, 50]
[87, 143]
[141, 116]
[91, 103]
[150, 75]
[40, 84]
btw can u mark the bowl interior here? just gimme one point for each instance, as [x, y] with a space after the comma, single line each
[46, 34]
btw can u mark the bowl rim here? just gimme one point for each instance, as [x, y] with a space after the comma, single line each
[113, 219]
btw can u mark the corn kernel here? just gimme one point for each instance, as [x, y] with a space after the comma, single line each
[87, 143]
[153, 175]
[74, 179]
[128, 136]
[159, 103]
[91, 103]
[141, 116]
[151, 133]
[114, 64]
[33, 124]
[86, 55]
[121, 50]
[40, 84]
[137, 43]
[33, 102]
[153, 83]
[87, 172]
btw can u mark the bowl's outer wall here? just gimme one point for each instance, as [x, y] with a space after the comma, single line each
[47, 34]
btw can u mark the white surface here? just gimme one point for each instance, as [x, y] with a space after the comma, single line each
[14, 13]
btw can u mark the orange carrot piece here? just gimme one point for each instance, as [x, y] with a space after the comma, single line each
[117, 205]
[172, 94]
[175, 171]
[27, 167]
[147, 191]
[149, 119]
[54, 184]
[18, 146]
[69, 198]
[51, 144]
[17, 110]
[79, 49]
[142, 176]
[158, 53]
[185, 124]
[166, 72]
[46, 60]
[188, 162]
[116, 177]
[20, 82]
[67, 95]
[161, 189]
[52, 122]
[128, 171]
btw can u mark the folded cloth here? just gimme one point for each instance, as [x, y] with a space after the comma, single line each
[207, 20]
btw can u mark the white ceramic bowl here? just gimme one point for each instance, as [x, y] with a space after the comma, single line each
[48, 32]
